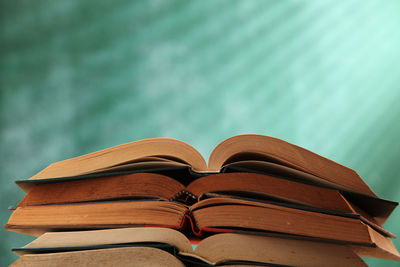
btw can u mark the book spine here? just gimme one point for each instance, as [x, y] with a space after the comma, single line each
[184, 196]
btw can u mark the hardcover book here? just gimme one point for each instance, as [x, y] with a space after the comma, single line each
[166, 247]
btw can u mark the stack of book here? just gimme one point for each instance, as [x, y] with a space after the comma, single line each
[260, 201]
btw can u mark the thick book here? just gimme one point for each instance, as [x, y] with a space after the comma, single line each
[234, 149]
[152, 185]
[167, 247]
[212, 214]
[243, 153]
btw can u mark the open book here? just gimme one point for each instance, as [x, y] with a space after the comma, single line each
[235, 149]
[212, 214]
[242, 153]
[237, 184]
[168, 247]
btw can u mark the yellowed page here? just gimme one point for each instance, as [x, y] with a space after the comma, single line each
[126, 256]
[111, 157]
[112, 236]
[276, 250]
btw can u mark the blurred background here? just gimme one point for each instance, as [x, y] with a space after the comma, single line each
[80, 76]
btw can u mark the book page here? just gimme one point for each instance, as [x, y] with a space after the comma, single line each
[112, 236]
[125, 256]
[288, 155]
[266, 249]
[126, 153]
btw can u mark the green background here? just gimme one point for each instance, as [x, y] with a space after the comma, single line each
[80, 76]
